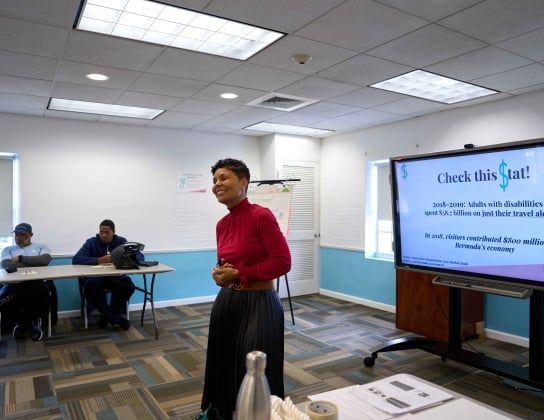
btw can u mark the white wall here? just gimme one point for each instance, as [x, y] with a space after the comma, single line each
[74, 174]
[344, 157]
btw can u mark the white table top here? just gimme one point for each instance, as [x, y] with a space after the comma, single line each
[57, 272]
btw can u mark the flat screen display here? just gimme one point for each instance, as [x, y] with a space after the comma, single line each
[475, 213]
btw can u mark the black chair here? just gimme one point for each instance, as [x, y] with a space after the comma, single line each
[85, 305]
[49, 290]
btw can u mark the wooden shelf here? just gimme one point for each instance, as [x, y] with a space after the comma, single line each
[423, 308]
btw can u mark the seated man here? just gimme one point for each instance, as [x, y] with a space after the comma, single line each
[97, 250]
[27, 304]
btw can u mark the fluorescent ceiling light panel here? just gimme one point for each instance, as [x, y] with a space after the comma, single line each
[431, 86]
[289, 129]
[58, 104]
[149, 21]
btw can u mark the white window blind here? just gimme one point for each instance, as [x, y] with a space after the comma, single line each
[6, 192]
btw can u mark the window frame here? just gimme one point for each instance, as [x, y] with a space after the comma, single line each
[5, 239]
[376, 226]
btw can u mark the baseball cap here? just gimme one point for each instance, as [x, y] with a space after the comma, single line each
[23, 228]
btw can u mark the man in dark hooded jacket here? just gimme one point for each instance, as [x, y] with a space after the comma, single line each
[97, 250]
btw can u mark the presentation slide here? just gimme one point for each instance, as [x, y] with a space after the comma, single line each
[476, 212]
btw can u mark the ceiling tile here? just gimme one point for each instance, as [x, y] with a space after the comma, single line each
[86, 93]
[258, 77]
[147, 100]
[479, 63]
[514, 79]
[72, 72]
[419, 48]
[411, 106]
[23, 102]
[323, 55]
[174, 119]
[243, 116]
[32, 38]
[203, 107]
[327, 110]
[192, 65]
[430, 10]
[166, 85]
[317, 88]
[364, 70]
[25, 65]
[360, 25]
[51, 12]
[104, 50]
[212, 92]
[528, 45]
[366, 97]
[497, 20]
[23, 85]
[265, 13]
[41, 52]
[296, 118]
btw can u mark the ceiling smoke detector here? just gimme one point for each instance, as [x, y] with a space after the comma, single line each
[301, 58]
[281, 102]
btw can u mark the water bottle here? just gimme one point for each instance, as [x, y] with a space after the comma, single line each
[253, 402]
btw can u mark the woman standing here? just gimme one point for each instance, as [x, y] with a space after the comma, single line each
[247, 313]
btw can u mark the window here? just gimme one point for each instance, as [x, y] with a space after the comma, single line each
[378, 220]
[9, 191]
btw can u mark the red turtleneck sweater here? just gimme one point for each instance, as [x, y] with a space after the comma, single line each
[250, 239]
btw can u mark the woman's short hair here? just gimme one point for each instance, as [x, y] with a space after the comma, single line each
[237, 166]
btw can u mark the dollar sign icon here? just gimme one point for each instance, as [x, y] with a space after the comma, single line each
[504, 183]
[404, 172]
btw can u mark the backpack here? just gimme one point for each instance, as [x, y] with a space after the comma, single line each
[124, 256]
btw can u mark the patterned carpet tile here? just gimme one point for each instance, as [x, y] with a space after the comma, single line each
[114, 374]
[70, 358]
[11, 369]
[25, 394]
[172, 367]
[36, 413]
[179, 399]
[94, 382]
[138, 348]
[121, 405]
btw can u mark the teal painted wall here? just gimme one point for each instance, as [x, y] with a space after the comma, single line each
[191, 278]
[350, 273]
[341, 271]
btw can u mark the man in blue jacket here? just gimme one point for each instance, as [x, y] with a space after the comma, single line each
[97, 250]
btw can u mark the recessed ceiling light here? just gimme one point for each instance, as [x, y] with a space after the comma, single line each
[97, 76]
[229, 95]
[289, 129]
[423, 84]
[150, 21]
[59, 104]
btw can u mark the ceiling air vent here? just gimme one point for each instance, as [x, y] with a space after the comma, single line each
[281, 102]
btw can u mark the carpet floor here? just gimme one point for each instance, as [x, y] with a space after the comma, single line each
[116, 374]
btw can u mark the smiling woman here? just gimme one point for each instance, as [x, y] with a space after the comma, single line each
[247, 314]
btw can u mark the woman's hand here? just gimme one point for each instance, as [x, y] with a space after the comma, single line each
[224, 275]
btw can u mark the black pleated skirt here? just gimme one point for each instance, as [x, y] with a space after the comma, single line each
[240, 322]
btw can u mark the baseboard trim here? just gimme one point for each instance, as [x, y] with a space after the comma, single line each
[360, 301]
[159, 304]
[496, 335]
[507, 338]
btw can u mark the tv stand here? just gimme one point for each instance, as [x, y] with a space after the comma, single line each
[533, 375]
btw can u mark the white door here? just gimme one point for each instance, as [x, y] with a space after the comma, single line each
[303, 235]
